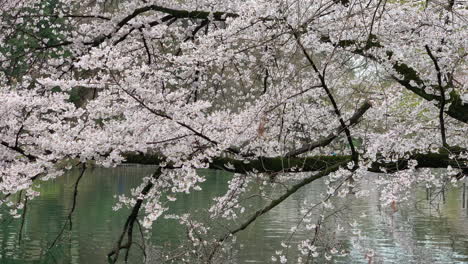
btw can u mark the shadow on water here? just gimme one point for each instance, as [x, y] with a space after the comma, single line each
[419, 232]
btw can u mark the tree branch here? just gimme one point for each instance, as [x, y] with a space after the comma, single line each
[321, 76]
[442, 95]
[457, 110]
[441, 159]
[132, 218]
[19, 150]
[328, 139]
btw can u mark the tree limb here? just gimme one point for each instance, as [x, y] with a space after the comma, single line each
[441, 159]
[328, 139]
[321, 76]
[132, 218]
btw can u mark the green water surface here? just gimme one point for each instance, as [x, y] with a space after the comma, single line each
[416, 233]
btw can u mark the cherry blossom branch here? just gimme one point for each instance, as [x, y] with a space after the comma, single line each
[457, 110]
[151, 24]
[145, 44]
[165, 116]
[172, 13]
[291, 96]
[216, 16]
[328, 139]
[321, 76]
[19, 150]
[131, 219]
[442, 94]
[168, 140]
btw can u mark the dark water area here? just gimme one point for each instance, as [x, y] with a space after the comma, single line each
[418, 232]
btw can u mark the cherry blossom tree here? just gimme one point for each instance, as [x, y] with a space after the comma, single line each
[278, 90]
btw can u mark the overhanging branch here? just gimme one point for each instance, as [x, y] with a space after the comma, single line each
[131, 220]
[313, 163]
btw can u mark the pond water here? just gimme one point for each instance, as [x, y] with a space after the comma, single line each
[418, 232]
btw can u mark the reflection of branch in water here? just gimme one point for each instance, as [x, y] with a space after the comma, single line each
[439, 193]
[143, 244]
[70, 214]
[23, 218]
[132, 218]
[48, 256]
